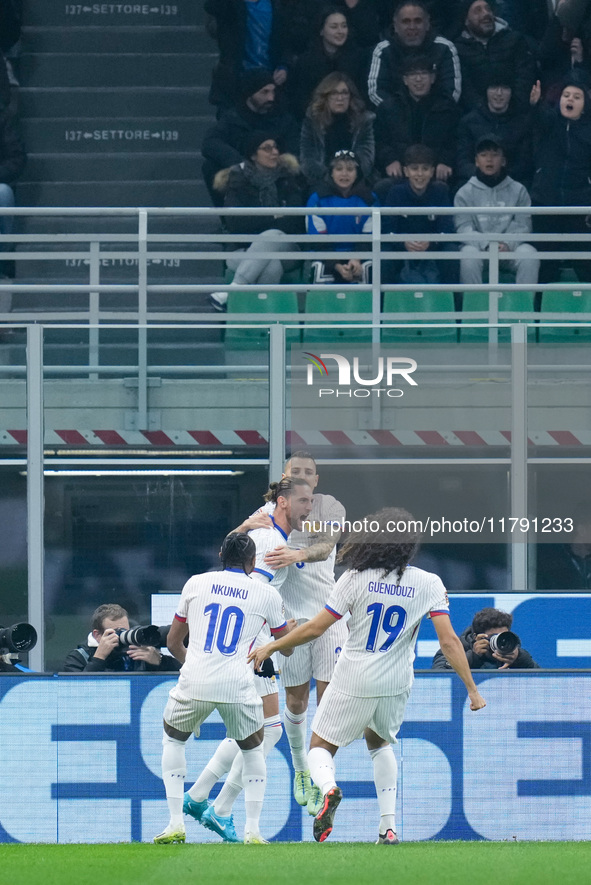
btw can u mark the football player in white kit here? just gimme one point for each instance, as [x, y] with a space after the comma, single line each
[387, 600]
[309, 583]
[222, 612]
[292, 502]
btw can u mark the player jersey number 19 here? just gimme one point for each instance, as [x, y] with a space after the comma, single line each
[392, 622]
[224, 631]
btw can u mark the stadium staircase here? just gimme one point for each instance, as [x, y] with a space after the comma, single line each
[113, 104]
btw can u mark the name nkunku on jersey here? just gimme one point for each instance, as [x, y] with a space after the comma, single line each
[377, 658]
[224, 611]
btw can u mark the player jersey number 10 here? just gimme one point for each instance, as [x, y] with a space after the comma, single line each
[392, 622]
[223, 631]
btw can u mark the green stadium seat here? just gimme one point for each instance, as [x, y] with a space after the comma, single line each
[338, 302]
[509, 302]
[423, 301]
[270, 302]
[574, 301]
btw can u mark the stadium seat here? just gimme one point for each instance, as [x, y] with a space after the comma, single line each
[509, 302]
[423, 301]
[338, 302]
[574, 302]
[270, 302]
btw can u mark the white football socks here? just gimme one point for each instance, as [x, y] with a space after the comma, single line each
[296, 726]
[322, 769]
[174, 770]
[233, 787]
[385, 775]
[221, 762]
[254, 775]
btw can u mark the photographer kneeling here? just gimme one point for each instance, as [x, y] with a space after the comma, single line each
[489, 644]
[108, 649]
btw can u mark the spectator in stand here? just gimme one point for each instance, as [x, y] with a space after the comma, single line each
[266, 178]
[491, 186]
[485, 43]
[412, 36]
[344, 187]
[336, 120]
[561, 50]
[417, 115]
[331, 49]
[364, 20]
[499, 117]
[247, 34]
[257, 110]
[295, 23]
[562, 159]
[419, 189]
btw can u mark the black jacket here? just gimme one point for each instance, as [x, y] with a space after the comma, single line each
[239, 192]
[506, 50]
[315, 64]
[524, 660]
[431, 121]
[82, 660]
[386, 68]
[562, 157]
[230, 30]
[514, 128]
[557, 568]
[224, 144]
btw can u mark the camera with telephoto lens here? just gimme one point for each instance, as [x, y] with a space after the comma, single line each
[504, 643]
[149, 635]
[18, 638]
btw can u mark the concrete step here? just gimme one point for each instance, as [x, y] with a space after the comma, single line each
[117, 103]
[92, 135]
[120, 270]
[57, 13]
[62, 225]
[112, 193]
[113, 167]
[121, 39]
[112, 69]
[127, 337]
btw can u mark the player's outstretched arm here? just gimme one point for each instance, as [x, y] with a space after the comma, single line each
[175, 640]
[453, 650]
[304, 633]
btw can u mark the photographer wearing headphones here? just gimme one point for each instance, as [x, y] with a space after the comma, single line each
[490, 645]
[111, 646]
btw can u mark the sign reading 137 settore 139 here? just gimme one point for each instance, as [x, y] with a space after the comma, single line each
[85, 751]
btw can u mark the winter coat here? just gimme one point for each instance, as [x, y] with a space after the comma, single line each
[431, 121]
[524, 660]
[239, 191]
[341, 225]
[386, 67]
[313, 149]
[230, 31]
[513, 128]
[505, 50]
[562, 157]
[225, 143]
[507, 193]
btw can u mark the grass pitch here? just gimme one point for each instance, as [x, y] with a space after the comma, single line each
[413, 863]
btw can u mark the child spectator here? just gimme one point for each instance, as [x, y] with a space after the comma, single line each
[417, 115]
[491, 186]
[420, 190]
[344, 187]
[336, 121]
[500, 117]
[562, 156]
[561, 50]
